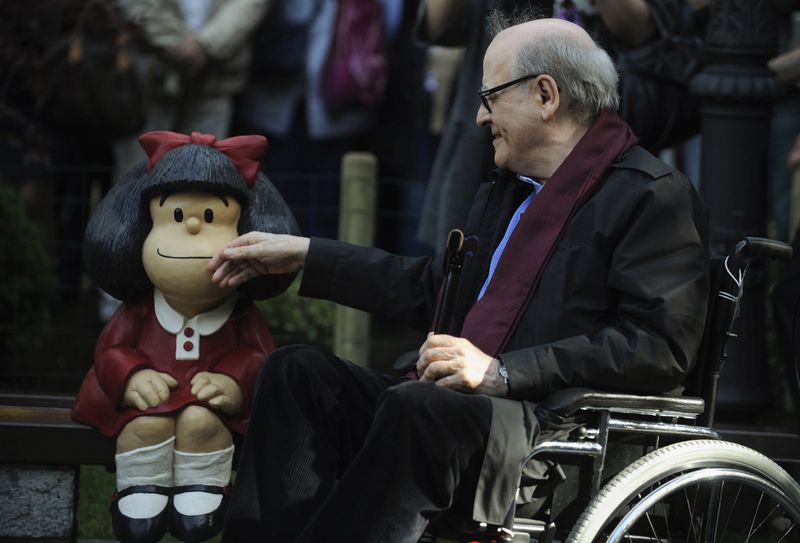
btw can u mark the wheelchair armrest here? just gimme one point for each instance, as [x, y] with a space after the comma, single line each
[567, 401]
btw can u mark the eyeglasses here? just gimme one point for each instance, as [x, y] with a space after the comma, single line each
[484, 94]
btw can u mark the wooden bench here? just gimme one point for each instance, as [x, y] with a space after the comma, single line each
[41, 451]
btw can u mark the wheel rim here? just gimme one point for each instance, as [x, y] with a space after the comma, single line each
[750, 509]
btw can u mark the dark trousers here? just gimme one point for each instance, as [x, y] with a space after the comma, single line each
[336, 452]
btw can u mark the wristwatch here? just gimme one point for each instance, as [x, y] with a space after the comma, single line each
[501, 369]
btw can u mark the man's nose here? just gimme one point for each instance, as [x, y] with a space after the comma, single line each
[193, 225]
[483, 116]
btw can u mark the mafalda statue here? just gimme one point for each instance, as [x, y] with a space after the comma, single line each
[174, 368]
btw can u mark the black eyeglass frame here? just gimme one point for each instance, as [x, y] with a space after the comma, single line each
[484, 94]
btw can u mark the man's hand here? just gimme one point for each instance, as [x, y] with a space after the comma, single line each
[456, 363]
[218, 390]
[255, 254]
[148, 388]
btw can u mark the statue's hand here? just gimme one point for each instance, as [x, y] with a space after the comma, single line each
[218, 390]
[148, 388]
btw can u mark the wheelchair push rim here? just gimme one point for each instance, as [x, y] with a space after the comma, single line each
[695, 491]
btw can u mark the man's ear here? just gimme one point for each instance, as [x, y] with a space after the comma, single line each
[548, 95]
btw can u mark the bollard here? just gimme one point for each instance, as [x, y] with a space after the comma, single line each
[359, 181]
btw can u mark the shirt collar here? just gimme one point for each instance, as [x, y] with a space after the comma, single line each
[536, 185]
[205, 323]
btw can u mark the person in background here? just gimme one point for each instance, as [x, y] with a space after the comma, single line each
[194, 59]
[285, 102]
[589, 268]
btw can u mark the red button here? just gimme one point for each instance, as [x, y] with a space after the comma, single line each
[188, 346]
[189, 332]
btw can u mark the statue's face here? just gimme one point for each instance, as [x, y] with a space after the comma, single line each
[189, 228]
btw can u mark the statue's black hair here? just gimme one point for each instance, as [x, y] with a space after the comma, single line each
[112, 248]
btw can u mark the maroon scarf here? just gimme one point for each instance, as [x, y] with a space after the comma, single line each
[490, 323]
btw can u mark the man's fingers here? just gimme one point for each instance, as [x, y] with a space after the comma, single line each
[220, 267]
[246, 251]
[241, 277]
[433, 354]
[436, 370]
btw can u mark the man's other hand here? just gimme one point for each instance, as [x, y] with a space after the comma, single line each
[454, 362]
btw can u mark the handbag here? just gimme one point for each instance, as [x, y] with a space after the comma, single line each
[87, 79]
[356, 68]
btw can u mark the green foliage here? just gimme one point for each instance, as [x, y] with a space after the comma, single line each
[95, 488]
[29, 282]
[294, 319]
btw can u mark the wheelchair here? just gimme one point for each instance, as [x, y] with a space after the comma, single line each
[652, 468]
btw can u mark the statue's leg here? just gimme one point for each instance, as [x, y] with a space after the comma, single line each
[202, 468]
[145, 450]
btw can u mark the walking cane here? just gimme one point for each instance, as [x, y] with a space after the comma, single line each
[454, 263]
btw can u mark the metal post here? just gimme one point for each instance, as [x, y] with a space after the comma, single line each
[356, 225]
[737, 90]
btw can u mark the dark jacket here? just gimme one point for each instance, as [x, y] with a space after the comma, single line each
[620, 305]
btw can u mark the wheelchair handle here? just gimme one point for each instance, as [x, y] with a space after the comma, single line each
[752, 247]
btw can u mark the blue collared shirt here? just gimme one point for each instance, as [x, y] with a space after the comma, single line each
[512, 224]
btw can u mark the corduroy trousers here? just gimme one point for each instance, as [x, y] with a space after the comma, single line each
[337, 452]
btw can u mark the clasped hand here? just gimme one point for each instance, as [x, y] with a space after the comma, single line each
[149, 388]
[454, 362]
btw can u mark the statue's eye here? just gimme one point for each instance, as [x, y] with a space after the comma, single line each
[209, 215]
[178, 215]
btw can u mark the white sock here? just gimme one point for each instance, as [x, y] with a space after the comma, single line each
[212, 469]
[150, 465]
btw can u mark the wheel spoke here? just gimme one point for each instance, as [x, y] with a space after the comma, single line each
[732, 509]
[652, 527]
[755, 515]
[787, 532]
[766, 518]
[719, 495]
[691, 513]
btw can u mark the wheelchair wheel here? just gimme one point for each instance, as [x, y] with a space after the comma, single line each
[695, 491]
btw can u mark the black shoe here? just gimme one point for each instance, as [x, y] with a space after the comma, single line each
[140, 530]
[195, 528]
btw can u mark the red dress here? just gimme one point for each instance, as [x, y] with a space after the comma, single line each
[134, 339]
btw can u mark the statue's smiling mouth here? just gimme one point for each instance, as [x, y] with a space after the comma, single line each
[182, 257]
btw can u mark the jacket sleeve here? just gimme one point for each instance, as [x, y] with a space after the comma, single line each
[226, 30]
[116, 357]
[649, 339]
[400, 289]
[162, 27]
[242, 364]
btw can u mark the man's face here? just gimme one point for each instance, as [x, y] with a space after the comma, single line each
[513, 120]
[188, 229]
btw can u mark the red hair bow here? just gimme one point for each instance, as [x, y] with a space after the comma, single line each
[244, 151]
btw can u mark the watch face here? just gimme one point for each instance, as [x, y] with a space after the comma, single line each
[503, 372]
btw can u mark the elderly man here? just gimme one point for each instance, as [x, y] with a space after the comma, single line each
[589, 270]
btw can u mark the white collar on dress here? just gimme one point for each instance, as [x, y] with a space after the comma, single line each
[205, 323]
